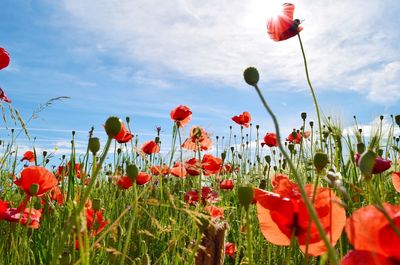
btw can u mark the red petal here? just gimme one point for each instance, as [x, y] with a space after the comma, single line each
[396, 180]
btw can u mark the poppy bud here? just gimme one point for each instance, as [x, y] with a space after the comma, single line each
[197, 132]
[311, 124]
[119, 150]
[34, 188]
[223, 155]
[44, 153]
[397, 119]
[380, 152]
[96, 203]
[304, 116]
[360, 148]
[257, 126]
[157, 140]
[268, 159]
[132, 171]
[367, 163]
[263, 184]
[245, 196]
[291, 147]
[320, 161]
[94, 145]
[113, 126]
[381, 117]
[251, 76]
[127, 119]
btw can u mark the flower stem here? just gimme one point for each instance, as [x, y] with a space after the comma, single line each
[312, 91]
[303, 193]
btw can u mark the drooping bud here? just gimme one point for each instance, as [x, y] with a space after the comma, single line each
[320, 161]
[94, 145]
[303, 116]
[223, 155]
[113, 126]
[251, 76]
[367, 163]
[268, 159]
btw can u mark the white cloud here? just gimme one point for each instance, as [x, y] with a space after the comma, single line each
[349, 44]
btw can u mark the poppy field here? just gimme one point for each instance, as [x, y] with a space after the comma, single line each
[317, 195]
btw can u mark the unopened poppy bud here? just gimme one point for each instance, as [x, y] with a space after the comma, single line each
[294, 134]
[94, 145]
[157, 140]
[113, 126]
[251, 76]
[397, 119]
[381, 117]
[132, 171]
[119, 150]
[232, 148]
[320, 161]
[291, 147]
[257, 126]
[245, 196]
[44, 153]
[223, 155]
[96, 204]
[304, 116]
[263, 184]
[268, 159]
[197, 132]
[311, 124]
[367, 163]
[380, 152]
[360, 148]
[127, 119]
[34, 189]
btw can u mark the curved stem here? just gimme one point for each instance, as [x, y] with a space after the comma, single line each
[312, 92]
[303, 193]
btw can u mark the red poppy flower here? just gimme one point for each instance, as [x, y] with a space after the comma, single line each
[28, 156]
[56, 195]
[179, 170]
[3, 96]
[4, 58]
[198, 139]
[124, 135]
[142, 178]
[27, 216]
[209, 195]
[150, 147]
[243, 119]
[230, 249]
[124, 183]
[296, 140]
[181, 115]
[3, 209]
[193, 166]
[35, 181]
[214, 211]
[283, 211]
[270, 140]
[380, 166]
[226, 184]
[282, 26]
[191, 197]
[372, 236]
[396, 181]
[160, 170]
[211, 164]
[94, 221]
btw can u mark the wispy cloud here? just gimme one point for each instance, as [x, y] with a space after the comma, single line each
[347, 47]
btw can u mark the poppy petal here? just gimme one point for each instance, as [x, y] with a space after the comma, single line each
[357, 257]
[396, 181]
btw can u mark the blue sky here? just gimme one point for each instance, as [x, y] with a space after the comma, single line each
[143, 58]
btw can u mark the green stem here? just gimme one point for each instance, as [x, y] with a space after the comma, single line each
[312, 92]
[303, 193]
